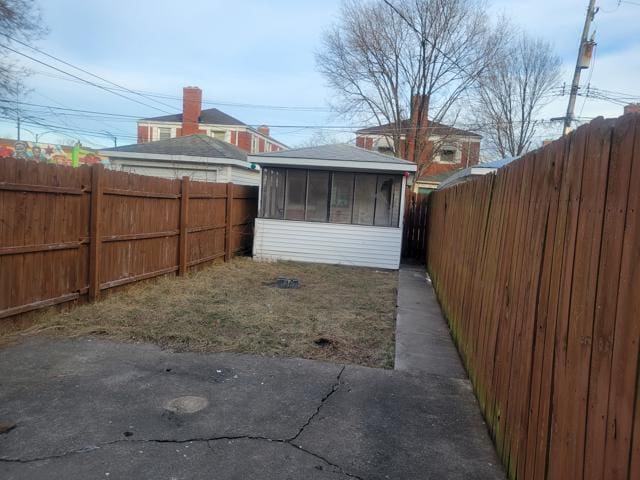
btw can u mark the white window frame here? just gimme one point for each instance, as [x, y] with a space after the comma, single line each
[457, 156]
[159, 137]
[213, 131]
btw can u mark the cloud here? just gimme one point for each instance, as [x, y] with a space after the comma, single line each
[263, 53]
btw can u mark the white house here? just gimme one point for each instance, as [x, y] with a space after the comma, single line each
[335, 204]
[200, 157]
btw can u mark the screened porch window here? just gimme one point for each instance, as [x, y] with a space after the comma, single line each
[334, 197]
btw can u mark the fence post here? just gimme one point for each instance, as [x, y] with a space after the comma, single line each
[95, 231]
[228, 253]
[182, 239]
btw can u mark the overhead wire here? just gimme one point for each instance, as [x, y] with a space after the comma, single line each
[87, 72]
[82, 79]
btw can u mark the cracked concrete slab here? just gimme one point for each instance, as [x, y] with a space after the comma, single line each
[387, 425]
[237, 459]
[65, 394]
[87, 407]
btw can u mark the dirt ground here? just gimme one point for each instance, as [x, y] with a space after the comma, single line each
[341, 314]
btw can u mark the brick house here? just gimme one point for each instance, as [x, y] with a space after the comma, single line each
[211, 122]
[445, 149]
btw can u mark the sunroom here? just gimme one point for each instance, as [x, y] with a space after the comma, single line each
[335, 204]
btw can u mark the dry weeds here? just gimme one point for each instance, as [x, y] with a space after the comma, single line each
[341, 314]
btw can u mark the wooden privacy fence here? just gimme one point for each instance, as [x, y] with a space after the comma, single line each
[538, 271]
[66, 233]
[415, 226]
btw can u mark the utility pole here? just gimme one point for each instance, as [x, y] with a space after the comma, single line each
[580, 64]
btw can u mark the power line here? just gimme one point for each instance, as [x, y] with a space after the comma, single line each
[81, 79]
[4, 100]
[53, 57]
[297, 108]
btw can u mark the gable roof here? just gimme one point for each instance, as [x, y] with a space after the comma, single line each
[210, 116]
[198, 145]
[434, 128]
[339, 155]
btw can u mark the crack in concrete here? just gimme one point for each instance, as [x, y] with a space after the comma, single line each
[56, 455]
[320, 457]
[209, 440]
[333, 390]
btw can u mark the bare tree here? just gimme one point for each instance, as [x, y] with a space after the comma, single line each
[390, 61]
[512, 91]
[321, 137]
[19, 20]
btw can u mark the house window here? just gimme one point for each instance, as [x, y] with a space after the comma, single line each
[296, 193]
[387, 201]
[164, 133]
[341, 198]
[448, 154]
[273, 182]
[364, 200]
[335, 197]
[218, 134]
[317, 196]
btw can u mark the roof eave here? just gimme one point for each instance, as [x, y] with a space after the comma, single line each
[332, 164]
[176, 158]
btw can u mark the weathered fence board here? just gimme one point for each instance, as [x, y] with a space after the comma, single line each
[415, 226]
[537, 268]
[67, 233]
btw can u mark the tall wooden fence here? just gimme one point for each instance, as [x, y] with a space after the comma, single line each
[67, 233]
[538, 272]
[415, 227]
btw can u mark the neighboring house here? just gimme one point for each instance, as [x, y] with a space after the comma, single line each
[200, 157]
[335, 204]
[446, 149]
[211, 122]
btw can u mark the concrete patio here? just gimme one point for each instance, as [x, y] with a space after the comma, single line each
[90, 408]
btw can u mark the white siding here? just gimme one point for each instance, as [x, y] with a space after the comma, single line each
[242, 176]
[199, 172]
[331, 243]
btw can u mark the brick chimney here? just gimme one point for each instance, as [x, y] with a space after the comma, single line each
[420, 109]
[418, 121]
[632, 108]
[191, 109]
[264, 130]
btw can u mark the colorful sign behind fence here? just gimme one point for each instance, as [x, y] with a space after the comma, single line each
[49, 153]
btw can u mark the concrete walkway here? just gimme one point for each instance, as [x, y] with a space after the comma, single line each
[423, 341]
[96, 409]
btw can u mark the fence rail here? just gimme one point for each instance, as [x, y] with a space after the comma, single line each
[538, 271]
[67, 233]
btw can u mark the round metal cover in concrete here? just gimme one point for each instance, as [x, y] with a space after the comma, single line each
[187, 404]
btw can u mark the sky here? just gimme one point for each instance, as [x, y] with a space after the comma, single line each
[255, 61]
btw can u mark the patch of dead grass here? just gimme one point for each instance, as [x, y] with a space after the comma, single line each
[234, 307]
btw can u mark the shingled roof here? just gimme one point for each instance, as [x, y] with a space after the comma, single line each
[189, 145]
[434, 128]
[210, 116]
[340, 151]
